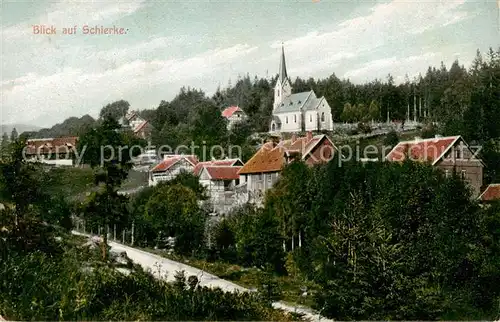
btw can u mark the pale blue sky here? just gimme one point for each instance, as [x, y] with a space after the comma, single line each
[169, 44]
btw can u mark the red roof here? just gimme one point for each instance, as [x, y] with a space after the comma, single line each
[271, 156]
[226, 162]
[51, 145]
[491, 193]
[171, 160]
[222, 172]
[431, 150]
[228, 112]
[138, 128]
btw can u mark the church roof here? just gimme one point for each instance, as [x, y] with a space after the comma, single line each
[297, 102]
[282, 75]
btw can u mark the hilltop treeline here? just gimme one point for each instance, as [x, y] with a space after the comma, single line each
[462, 101]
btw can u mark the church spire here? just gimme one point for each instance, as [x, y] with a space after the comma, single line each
[283, 74]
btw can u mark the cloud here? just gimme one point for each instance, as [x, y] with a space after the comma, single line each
[73, 90]
[69, 13]
[380, 68]
[386, 24]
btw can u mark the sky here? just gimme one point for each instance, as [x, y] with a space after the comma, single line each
[167, 44]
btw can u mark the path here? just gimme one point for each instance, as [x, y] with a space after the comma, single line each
[161, 267]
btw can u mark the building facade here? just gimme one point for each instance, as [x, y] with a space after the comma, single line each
[233, 114]
[53, 151]
[262, 171]
[170, 167]
[297, 112]
[450, 154]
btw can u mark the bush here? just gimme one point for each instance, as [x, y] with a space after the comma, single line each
[364, 128]
[391, 139]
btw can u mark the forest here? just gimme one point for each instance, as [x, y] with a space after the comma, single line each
[375, 241]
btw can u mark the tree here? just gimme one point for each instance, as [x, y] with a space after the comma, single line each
[374, 111]
[13, 135]
[116, 110]
[4, 145]
[105, 149]
[173, 210]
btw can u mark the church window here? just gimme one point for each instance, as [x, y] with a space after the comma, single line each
[295, 118]
[287, 120]
[273, 126]
[278, 92]
[310, 118]
[323, 117]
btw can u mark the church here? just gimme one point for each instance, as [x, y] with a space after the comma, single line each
[297, 112]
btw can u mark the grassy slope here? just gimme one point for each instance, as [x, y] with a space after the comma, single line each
[290, 287]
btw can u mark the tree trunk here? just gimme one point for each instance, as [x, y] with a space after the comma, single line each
[132, 234]
[104, 246]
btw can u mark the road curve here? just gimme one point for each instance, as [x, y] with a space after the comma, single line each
[165, 268]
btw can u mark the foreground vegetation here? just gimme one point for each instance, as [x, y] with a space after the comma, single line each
[47, 274]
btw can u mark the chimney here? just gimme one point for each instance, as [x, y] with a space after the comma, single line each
[309, 136]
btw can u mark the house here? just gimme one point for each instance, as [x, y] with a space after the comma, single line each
[491, 193]
[170, 167]
[141, 127]
[298, 112]
[54, 151]
[233, 114]
[225, 162]
[449, 154]
[219, 178]
[262, 170]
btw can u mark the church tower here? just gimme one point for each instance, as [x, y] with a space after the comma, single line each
[282, 89]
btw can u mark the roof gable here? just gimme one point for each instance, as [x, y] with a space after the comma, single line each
[228, 112]
[491, 193]
[225, 162]
[51, 145]
[295, 102]
[272, 158]
[169, 162]
[221, 172]
[428, 150]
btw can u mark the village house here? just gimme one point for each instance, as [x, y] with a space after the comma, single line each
[262, 171]
[170, 167]
[53, 151]
[298, 112]
[449, 154]
[141, 127]
[233, 114]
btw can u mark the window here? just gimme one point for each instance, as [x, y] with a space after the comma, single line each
[447, 173]
[295, 118]
[323, 117]
[260, 176]
[310, 118]
[273, 127]
[278, 92]
[457, 153]
[462, 174]
[291, 103]
[286, 119]
[269, 179]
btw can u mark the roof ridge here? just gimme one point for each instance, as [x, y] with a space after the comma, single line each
[431, 139]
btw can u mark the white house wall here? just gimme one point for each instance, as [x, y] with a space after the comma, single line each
[170, 173]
